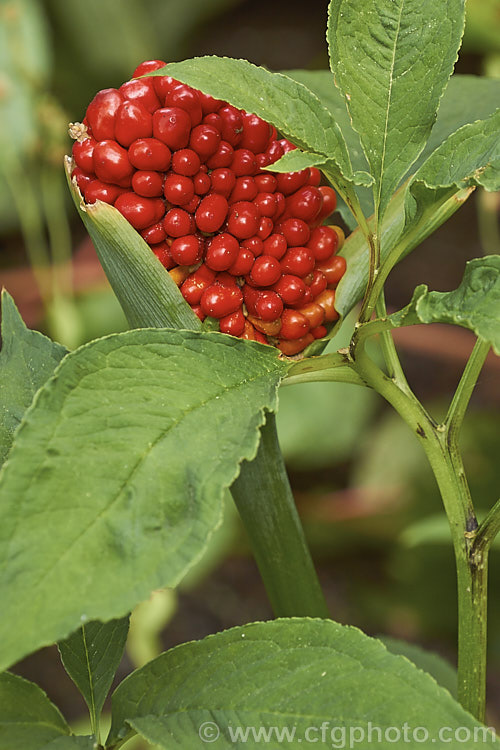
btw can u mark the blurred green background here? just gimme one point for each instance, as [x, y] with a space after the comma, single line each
[366, 496]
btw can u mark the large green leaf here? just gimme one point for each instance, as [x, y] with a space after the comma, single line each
[391, 60]
[290, 106]
[296, 677]
[28, 720]
[442, 671]
[27, 360]
[475, 304]
[116, 478]
[145, 290]
[470, 156]
[91, 655]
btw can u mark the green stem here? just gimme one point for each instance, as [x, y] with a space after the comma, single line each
[265, 502]
[488, 529]
[391, 358]
[460, 401]
[471, 560]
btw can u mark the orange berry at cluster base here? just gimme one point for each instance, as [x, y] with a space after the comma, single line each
[246, 246]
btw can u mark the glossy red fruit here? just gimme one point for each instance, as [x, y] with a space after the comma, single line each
[101, 113]
[202, 183]
[305, 203]
[187, 99]
[178, 222]
[232, 124]
[289, 348]
[265, 227]
[140, 212]
[298, 261]
[147, 67]
[291, 289]
[295, 231]
[132, 121]
[256, 133]
[268, 305]
[290, 182]
[218, 301]
[323, 243]
[172, 126]
[294, 325]
[95, 190]
[314, 313]
[333, 269]
[195, 284]
[223, 181]
[205, 140]
[141, 91]
[154, 234]
[265, 202]
[267, 183]
[82, 178]
[147, 184]
[211, 213]
[243, 220]
[314, 176]
[254, 244]
[319, 332]
[243, 162]
[149, 154]
[329, 202]
[275, 245]
[82, 154]
[327, 301]
[186, 162]
[178, 190]
[208, 103]
[223, 157]
[244, 189]
[162, 252]
[318, 282]
[265, 271]
[222, 252]
[272, 153]
[243, 263]
[111, 162]
[233, 324]
[186, 251]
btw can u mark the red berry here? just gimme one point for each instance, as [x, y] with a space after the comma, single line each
[222, 252]
[244, 189]
[327, 301]
[202, 183]
[290, 182]
[333, 269]
[319, 332]
[298, 261]
[101, 113]
[178, 189]
[305, 203]
[141, 91]
[162, 252]
[314, 176]
[223, 181]
[111, 163]
[193, 204]
[272, 153]
[267, 183]
[172, 126]
[265, 271]
[153, 234]
[254, 244]
[83, 179]
[101, 191]
[233, 324]
[140, 212]
[211, 213]
[186, 162]
[275, 245]
[266, 203]
[223, 157]
[187, 99]
[314, 313]
[132, 122]
[243, 263]
[323, 243]
[232, 124]
[195, 284]
[265, 227]
[294, 325]
[243, 220]
[256, 133]
[329, 202]
[268, 305]
[147, 184]
[205, 140]
[149, 154]
[219, 301]
[208, 103]
[295, 231]
[178, 222]
[82, 154]
[243, 162]
[147, 67]
[291, 289]
[187, 250]
[318, 283]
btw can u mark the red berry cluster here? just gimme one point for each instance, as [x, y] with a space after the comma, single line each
[246, 246]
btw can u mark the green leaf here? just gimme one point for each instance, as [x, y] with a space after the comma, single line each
[27, 360]
[146, 291]
[442, 671]
[28, 720]
[392, 59]
[470, 156]
[474, 305]
[72, 743]
[285, 675]
[91, 655]
[115, 482]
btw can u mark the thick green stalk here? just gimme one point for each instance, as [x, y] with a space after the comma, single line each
[265, 502]
[446, 464]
